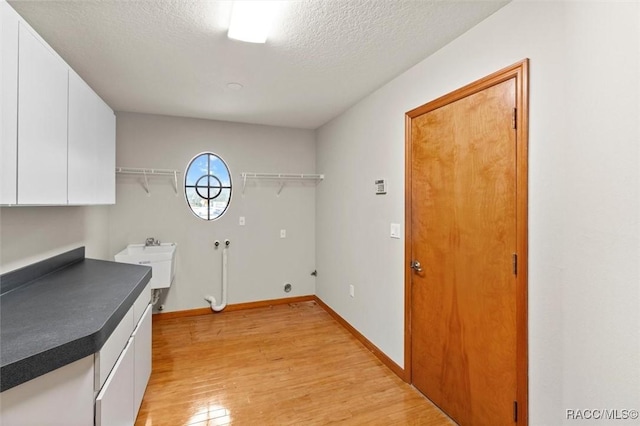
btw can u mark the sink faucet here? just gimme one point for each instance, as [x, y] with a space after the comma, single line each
[151, 241]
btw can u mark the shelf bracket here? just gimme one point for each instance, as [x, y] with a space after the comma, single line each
[244, 182]
[146, 183]
[175, 181]
[280, 189]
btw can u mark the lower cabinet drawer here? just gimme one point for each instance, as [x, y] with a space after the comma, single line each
[141, 304]
[114, 403]
[105, 359]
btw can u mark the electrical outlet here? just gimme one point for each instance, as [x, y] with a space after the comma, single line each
[352, 291]
[283, 233]
[241, 221]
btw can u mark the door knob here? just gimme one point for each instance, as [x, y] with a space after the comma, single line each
[415, 265]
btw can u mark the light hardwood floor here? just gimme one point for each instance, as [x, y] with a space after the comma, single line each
[282, 365]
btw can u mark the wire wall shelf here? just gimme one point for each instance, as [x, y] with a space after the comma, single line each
[282, 178]
[148, 173]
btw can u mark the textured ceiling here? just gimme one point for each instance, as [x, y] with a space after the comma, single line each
[173, 57]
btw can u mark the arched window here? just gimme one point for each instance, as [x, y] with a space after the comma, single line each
[207, 186]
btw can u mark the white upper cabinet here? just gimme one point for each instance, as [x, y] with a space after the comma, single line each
[91, 146]
[42, 123]
[9, 104]
[82, 142]
[57, 141]
[106, 167]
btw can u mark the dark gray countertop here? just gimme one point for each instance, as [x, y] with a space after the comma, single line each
[64, 316]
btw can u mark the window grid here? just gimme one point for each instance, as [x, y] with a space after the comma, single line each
[218, 185]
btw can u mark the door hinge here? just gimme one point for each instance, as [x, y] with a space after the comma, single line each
[515, 118]
[515, 411]
[515, 264]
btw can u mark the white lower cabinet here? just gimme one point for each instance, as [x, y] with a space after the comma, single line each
[142, 345]
[107, 356]
[121, 375]
[63, 397]
[118, 374]
[114, 404]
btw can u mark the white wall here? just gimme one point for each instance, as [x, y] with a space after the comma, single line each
[584, 245]
[31, 234]
[260, 262]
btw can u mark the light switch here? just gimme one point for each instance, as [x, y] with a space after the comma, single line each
[241, 221]
[283, 233]
[395, 230]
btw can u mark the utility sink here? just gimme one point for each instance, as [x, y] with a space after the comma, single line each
[161, 258]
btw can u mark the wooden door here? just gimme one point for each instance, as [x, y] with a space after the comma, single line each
[464, 324]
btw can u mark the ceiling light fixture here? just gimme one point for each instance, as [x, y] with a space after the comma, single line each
[234, 86]
[251, 20]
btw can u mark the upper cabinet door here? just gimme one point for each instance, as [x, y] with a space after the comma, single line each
[8, 104]
[91, 146]
[82, 145]
[106, 148]
[42, 123]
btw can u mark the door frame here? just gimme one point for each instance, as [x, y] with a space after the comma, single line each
[519, 71]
